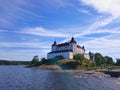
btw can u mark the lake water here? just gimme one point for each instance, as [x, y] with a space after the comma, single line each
[20, 78]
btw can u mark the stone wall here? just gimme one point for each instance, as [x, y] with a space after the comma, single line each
[66, 55]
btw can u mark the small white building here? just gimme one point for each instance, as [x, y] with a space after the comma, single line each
[67, 50]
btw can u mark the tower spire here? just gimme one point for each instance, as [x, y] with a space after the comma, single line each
[55, 43]
[72, 40]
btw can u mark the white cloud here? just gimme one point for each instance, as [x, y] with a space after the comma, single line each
[25, 45]
[106, 45]
[58, 3]
[23, 51]
[84, 11]
[105, 6]
[14, 10]
[3, 30]
[40, 31]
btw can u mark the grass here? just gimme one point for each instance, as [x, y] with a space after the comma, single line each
[73, 64]
[116, 67]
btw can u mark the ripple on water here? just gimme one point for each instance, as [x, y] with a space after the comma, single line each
[20, 78]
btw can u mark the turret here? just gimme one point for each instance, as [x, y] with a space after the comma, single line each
[83, 48]
[73, 44]
[54, 46]
[72, 40]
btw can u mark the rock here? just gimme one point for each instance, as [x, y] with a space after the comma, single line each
[50, 67]
[91, 74]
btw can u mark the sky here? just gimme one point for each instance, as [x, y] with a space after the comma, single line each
[29, 27]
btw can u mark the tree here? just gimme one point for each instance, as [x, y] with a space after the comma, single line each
[43, 60]
[118, 62]
[79, 58]
[99, 59]
[91, 55]
[35, 60]
[108, 60]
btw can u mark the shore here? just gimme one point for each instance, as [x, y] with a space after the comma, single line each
[83, 73]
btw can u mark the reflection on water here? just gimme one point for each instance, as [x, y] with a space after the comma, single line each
[20, 78]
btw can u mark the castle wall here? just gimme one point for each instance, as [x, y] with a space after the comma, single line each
[77, 50]
[86, 56]
[66, 55]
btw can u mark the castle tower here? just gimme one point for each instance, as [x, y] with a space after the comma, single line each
[73, 44]
[54, 46]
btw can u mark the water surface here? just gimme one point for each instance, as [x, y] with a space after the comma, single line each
[20, 78]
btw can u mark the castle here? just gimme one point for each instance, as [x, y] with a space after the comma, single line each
[67, 50]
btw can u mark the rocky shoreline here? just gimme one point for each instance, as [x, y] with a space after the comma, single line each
[91, 74]
[77, 73]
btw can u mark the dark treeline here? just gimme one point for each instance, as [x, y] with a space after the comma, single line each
[105, 60]
[6, 62]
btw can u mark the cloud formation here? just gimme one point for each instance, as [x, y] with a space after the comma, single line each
[94, 23]
[105, 6]
[40, 31]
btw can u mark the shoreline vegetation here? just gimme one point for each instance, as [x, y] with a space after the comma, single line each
[7, 62]
[101, 67]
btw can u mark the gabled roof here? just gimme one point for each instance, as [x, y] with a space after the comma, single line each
[78, 46]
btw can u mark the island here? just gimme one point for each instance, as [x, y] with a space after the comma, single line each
[71, 57]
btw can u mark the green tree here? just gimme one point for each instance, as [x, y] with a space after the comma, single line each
[91, 55]
[118, 62]
[35, 60]
[108, 60]
[43, 60]
[99, 59]
[79, 58]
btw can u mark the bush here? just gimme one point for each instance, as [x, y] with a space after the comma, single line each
[118, 62]
[35, 61]
[79, 58]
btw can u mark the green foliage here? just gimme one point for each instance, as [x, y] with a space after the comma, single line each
[99, 59]
[35, 61]
[118, 62]
[88, 63]
[43, 60]
[79, 58]
[6, 62]
[91, 55]
[108, 60]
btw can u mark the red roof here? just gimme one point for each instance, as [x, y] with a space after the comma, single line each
[78, 46]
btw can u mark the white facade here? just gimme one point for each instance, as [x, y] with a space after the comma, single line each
[67, 55]
[67, 50]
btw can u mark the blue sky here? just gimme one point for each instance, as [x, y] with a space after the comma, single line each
[29, 27]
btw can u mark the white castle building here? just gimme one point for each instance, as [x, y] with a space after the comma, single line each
[67, 50]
